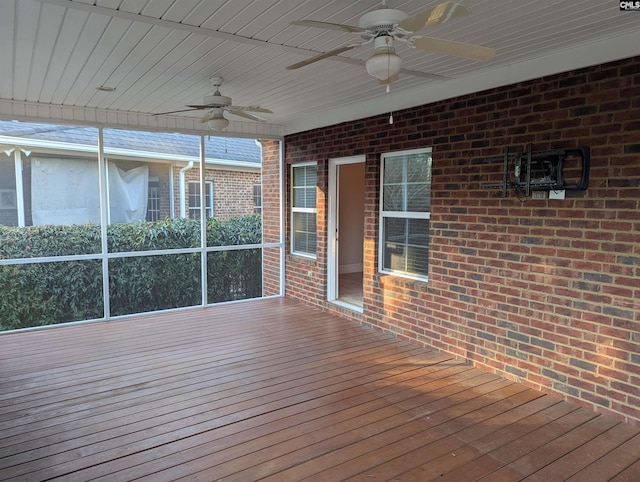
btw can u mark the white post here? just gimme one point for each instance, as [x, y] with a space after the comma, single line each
[181, 180]
[17, 157]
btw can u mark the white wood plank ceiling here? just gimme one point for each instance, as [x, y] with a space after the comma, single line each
[160, 54]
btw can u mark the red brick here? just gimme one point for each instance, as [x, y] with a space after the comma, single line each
[521, 262]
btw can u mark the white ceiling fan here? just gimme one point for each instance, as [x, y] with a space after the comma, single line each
[217, 104]
[384, 26]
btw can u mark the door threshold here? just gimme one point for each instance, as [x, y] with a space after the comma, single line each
[350, 306]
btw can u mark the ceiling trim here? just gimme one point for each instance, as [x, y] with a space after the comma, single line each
[585, 55]
[36, 112]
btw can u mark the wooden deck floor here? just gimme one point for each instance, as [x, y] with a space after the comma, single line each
[275, 390]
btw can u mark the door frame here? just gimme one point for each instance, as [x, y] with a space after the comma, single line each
[332, 227]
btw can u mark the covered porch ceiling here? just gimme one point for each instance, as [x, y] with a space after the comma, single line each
[159, 55]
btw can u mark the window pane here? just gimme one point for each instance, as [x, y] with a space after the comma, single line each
[419, 168]
[393, 170]
[394, 244]
[304, 232]
[418, 260]
[393, 196]
[153, 201]
[304, 197]
[194, 199]
[257, 198]
[419, 197]
[395, 231]
[407, 181]
[418, 232]
[406, 245]
[312, 176]
[304, 175]
[304, 186]
[394, 257]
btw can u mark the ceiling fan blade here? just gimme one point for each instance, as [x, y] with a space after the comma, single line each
[245, 115]
[176, 111]
[252, 108]
[325, 55]
[329, 26]
[456, 49]
[439, 14]
[207, 117]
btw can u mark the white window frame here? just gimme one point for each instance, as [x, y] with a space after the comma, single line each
[153, 199]
[294, 210]
[209, 208]
[398, 214]
[257, 206]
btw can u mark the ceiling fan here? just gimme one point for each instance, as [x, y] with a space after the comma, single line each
[385, 25]
[217, 104]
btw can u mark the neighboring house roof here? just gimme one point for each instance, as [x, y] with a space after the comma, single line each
[167, 144]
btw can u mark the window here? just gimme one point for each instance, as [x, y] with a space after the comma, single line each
[153, 200]
[303, 209]
[257, 198]
[194, 199]
[405, 210]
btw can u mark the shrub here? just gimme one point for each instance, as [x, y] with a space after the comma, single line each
[60, 291]
[48, 293]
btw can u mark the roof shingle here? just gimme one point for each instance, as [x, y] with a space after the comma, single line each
[226, 148]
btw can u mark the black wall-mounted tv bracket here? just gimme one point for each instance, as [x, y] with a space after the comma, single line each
[550, 164]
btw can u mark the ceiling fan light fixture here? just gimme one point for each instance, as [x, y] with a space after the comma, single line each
[218, 122]
[384, 63]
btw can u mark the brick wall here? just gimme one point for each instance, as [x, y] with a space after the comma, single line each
[232, 191]
[546, 292]
[271, 215]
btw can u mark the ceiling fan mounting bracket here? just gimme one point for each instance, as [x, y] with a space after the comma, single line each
[216, 81]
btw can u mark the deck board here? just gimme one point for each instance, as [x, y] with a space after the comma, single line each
[276, 390]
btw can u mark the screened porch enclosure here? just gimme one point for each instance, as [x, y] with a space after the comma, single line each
[97, 223]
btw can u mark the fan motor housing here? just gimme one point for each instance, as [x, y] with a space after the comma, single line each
[219, 100]
[384, 19]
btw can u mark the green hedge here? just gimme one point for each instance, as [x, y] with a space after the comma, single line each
[56, 292]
